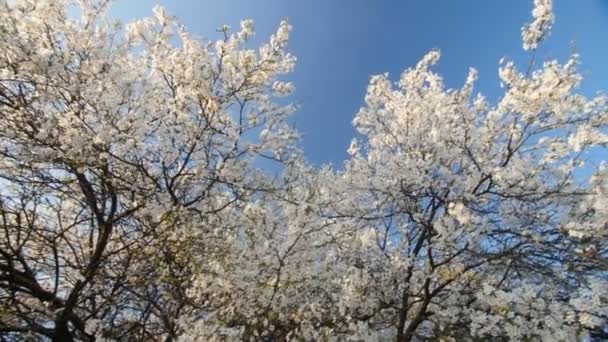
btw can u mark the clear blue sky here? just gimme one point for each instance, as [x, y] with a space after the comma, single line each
[340, 43]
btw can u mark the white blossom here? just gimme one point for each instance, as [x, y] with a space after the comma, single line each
[534, 32]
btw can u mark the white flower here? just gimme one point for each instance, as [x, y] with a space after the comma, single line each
[354, 147]
[534, 32]
[247, 29]
[161, 15]
[282, 88]
[590, 321]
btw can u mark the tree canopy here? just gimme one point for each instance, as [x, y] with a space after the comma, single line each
[133, 207]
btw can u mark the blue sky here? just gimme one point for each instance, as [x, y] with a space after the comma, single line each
[341, 43]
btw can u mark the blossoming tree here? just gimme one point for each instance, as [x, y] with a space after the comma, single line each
[131, 207]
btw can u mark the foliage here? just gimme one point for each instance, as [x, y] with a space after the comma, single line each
[131, 207]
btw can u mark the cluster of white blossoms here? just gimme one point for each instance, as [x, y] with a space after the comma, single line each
[533, 33]
[133, 207]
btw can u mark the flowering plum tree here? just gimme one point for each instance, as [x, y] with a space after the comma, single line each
[131, 207]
